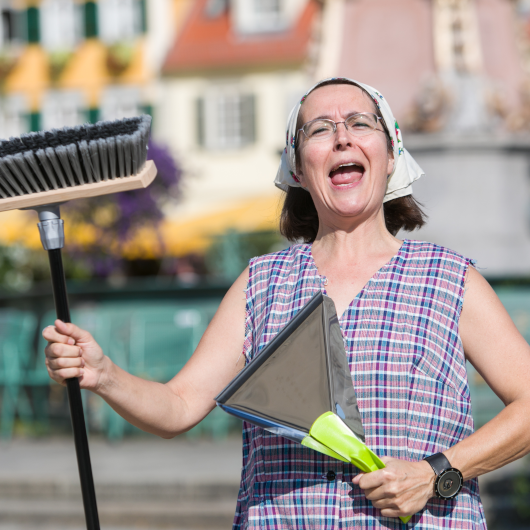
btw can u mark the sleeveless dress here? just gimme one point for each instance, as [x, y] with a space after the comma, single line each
[408, 368]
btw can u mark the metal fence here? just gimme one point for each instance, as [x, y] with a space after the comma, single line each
[152, 339]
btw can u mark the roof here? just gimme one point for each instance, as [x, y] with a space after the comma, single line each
[212, 44]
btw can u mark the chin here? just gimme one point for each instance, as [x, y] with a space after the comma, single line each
[353, 207]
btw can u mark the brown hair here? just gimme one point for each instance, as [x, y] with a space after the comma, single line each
[299, 218]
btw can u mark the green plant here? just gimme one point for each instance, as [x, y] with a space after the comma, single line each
[119, 58]
[58, 61]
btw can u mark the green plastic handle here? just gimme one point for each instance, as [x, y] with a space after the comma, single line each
[334, 438]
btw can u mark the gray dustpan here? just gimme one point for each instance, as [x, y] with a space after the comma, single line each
[300, 375]
[300, 387]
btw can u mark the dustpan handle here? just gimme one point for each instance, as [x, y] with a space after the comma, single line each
[74, 398]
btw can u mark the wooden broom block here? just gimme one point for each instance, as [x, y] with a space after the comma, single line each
[142, 180]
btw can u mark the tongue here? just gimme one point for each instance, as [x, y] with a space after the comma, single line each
[345, 175]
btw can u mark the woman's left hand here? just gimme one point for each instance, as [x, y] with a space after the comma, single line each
[401, 488]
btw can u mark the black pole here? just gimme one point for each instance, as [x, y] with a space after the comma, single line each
[74, 399]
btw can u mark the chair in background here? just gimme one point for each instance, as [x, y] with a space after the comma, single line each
[17, 332]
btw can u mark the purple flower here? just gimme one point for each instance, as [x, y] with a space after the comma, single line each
[116, 218]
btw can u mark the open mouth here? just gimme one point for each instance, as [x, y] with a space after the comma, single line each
[346, 174]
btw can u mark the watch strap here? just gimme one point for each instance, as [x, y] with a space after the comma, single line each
[438, 462]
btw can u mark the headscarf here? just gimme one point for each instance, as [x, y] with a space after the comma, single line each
[406, 169]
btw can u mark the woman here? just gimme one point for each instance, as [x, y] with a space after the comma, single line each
[406, 325]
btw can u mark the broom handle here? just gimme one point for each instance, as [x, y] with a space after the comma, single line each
[74, 397]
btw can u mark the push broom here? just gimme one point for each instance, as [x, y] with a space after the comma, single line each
[300, 387]
[40, 171]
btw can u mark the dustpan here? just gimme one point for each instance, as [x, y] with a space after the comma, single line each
[300, 387]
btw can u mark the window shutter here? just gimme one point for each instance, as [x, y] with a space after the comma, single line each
[93, 114]
[147, 108]
[34, 121]
[33, 24]
[199, 106]
[143, 15]
[91, 19]
[248, 119]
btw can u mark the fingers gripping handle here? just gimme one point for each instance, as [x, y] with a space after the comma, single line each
[74, 393]
[330, 431]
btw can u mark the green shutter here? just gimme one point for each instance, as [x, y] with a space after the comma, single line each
[199, 106]
[33, 17]
[91, 19]
[143, 15]
[93, 115]
[34, 122]
[147, 109]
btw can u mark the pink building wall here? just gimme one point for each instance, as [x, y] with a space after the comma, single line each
[501, 57]
[388, 44]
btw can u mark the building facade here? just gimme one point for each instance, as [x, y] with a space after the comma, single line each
[229, 80]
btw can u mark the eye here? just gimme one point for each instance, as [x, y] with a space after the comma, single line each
[361, 122]
[319, 128]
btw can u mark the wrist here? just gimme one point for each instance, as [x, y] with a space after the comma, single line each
[448, 480]
[429, 478]
[105, 376]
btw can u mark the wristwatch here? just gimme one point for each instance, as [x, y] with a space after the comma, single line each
[449, 481]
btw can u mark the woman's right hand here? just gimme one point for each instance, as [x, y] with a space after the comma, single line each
[73, 352]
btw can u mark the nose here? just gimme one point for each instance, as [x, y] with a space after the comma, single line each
[342, 136]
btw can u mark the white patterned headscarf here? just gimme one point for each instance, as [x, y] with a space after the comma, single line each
[405, 172]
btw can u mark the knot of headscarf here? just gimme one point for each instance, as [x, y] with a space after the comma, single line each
[406, 169]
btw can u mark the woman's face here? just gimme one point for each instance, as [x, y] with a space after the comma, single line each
[345, 174]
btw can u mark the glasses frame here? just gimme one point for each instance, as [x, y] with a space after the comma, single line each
[335, 123]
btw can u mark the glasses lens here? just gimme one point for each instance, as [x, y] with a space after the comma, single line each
[361, 124]
[318, 129]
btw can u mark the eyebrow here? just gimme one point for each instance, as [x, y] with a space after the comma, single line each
[328, 116]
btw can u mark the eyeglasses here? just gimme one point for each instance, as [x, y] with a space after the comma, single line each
[360, 124]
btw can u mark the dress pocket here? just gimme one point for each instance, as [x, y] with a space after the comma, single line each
[297, 504]
[438, 414]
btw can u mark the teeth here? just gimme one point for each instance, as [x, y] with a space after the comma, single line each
[346, 165]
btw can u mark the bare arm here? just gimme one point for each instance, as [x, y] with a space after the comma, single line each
[502, 356]
[163, 409]
[494, 346]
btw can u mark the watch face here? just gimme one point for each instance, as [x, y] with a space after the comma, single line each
[449, 483]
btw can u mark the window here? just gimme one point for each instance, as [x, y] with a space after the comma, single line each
[13, 116]
[121, 20]
[12, 27]
[120, 102]
[267, 8]
[215, 8]
[259, 16]
[61, 24]
[226, 120]
[62, 109]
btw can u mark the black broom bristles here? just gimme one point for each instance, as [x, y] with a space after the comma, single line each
[72, 156]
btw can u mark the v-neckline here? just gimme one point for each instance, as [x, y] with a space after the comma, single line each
[323, 279]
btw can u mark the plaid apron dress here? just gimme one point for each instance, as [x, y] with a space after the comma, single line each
[408, 369]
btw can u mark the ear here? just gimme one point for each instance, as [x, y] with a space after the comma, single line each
[390, 166]
[300, 176]
[301, 179]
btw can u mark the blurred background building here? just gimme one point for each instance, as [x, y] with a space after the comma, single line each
[148, 269]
